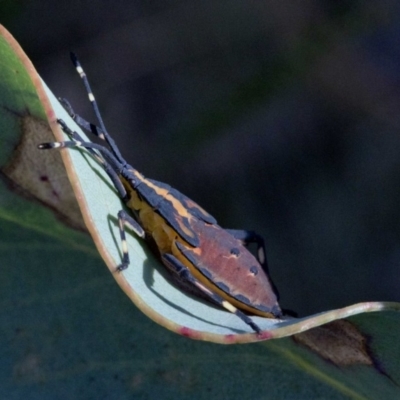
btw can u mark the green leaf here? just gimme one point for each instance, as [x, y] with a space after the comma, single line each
[67, 331]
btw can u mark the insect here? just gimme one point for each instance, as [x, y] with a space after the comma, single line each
[202, 257]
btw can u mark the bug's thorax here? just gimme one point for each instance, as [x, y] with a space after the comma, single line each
[146, 209]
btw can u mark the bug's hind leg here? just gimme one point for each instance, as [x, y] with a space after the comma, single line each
[247, 237]
[183, 272]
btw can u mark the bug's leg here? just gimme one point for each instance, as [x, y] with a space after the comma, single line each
[70, 144]
[183, 272]
[109, 167]
[87, 126]
[103, 134]
[247, 237]
[124, 219]
[112, 167]
[110, 164]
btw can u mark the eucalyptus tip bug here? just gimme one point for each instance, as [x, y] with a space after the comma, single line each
[202, 257]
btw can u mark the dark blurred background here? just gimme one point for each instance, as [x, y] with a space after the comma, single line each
[277, 116]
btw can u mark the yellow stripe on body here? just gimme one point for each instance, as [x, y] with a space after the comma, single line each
[178, 206]
[152, 222]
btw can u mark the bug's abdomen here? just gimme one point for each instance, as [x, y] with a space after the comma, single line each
[224, 265]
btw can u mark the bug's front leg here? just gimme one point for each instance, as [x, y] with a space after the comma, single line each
[124, 219]
[111, 167]
[184, 273]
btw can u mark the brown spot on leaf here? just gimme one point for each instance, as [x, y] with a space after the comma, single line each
[339, 342]
[41, 174]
